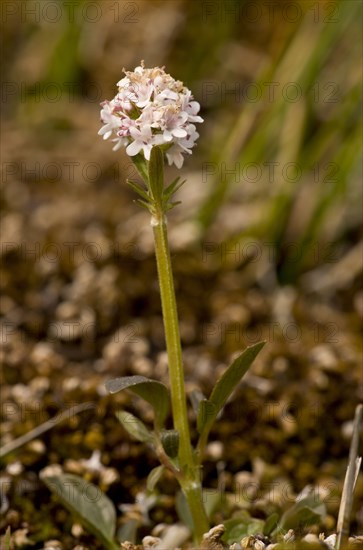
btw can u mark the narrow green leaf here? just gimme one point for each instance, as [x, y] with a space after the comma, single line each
[144, 204]
[135, 427]
[7, 539]
[306, 511]
[209, 408]
[156, 173]
[206, 415]
[169, 188]
[172, 205]
[128, 531]
[271, 524]
[303, 517]
[195, 397]
[236, 528]
[172, 188]
[142, 166]
[183, 510]
[154, 477]
[139, 190]
[170, 442]
[212, 500]
[152, 391]
[87, 502]
[233, 375]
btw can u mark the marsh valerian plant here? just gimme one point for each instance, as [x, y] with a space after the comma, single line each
[154, 116]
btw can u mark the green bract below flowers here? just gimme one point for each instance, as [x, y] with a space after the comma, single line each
[153, 116]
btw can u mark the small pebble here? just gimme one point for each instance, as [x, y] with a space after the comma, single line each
[14, 468]
[289, 536]
[211, 539]
[77, 530]
[253, 543]
[37, 446]
[150, 542]
[52, 470]
[109, 476]
[324, 356]
[310, 537]
[53, 545]
[20, 538]
[215, 450]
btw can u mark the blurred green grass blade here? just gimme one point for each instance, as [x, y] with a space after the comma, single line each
[255, 136]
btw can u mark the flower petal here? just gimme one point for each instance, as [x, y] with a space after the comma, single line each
[134, 148]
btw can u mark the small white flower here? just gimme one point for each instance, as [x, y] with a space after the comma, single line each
[167, 97]
[191, 107]
[142, 141]
[110, 120]
[174, 155]
[125, 125]
[188, 142]
[151, 108]
[124, 100]
[120, 142]
[172, 123]
[143, 95]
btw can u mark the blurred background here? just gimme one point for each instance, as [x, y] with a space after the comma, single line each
[266, 244]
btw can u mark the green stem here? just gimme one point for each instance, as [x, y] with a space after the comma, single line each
[190, 479]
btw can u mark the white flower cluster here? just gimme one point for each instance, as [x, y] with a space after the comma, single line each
[151, 108]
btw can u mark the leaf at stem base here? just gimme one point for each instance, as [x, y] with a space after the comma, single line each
[152, 391]
[87, 502]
